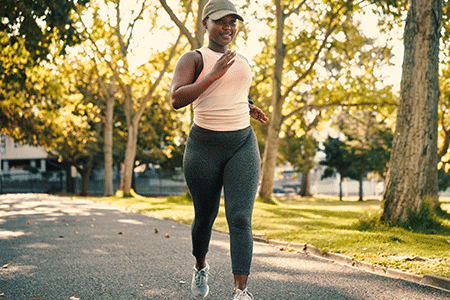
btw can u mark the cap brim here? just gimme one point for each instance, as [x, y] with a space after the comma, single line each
[220, 14]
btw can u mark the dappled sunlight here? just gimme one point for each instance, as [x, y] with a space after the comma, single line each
[221, 244]
[40, 246]
[135, 222]
[18, 270]
[6, 234]
[51, 206]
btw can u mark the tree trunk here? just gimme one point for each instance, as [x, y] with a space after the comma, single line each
[361, 182]
[108, 184]
[271, 148]
[412, 175]
[70, 183]
[130, 155]
[85, 173]
[341, 178]
[304, 189]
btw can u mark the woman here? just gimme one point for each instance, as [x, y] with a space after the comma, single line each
[221, 149]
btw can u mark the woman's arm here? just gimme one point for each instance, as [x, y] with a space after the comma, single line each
[184, 90]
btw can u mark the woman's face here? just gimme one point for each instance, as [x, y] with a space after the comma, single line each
[221, 31]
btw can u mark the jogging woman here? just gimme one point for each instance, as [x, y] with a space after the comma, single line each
[221, 150]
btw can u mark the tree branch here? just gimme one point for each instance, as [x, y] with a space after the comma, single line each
[180, 25]
[296, 10]
[153, 87]
[329, 31]
[132, 24]
[123, 47]
[330, 104]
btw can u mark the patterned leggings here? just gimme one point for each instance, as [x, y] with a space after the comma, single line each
[229, 159]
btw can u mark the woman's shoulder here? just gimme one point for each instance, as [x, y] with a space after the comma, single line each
[193, 55]
[241, 56]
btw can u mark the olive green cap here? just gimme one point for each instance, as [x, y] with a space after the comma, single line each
[217, 9]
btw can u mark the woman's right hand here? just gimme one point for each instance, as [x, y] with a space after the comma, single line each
[184, 89]
[223, 64]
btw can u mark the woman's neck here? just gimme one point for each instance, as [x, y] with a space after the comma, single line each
[217, 48]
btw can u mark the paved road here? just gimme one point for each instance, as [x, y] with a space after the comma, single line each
[62, 248]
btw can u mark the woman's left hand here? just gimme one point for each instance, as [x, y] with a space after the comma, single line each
[257, 114]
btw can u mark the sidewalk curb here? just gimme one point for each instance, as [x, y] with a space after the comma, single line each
[427, 279]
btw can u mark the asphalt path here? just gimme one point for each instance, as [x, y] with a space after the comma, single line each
[65, 248]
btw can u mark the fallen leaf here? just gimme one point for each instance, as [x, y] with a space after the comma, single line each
[2, 294]
[156, 230]
[92, 225]
[6, 266]
[74, 298]
[76, 232]
[182, 282]
[28, 222]
[93, 219]
[120, 232]
[167, 235]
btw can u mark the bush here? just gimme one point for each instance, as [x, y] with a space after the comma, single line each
[424, 221]
[371, 222]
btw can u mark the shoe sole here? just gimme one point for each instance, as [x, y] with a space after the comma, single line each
[200, 297]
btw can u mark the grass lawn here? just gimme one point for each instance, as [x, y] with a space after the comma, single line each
[327, 223]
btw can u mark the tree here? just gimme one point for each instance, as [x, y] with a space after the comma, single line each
[444, 105]
[34, 26]
[31, 32]
[115, 52]
[412, 177]
[313, 68]
[368, 143]
[298, 147]
[337, 159]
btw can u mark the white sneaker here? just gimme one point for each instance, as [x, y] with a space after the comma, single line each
[242, 295]
[199, 285]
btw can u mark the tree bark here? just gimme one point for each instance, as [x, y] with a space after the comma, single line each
[304, 189]
[70, 183]
[108, 184]
[130, 155]
[361, 182]
[85, 172]
[412, 176]
[271, 148]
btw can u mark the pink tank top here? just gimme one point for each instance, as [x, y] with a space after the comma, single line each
[224, 105]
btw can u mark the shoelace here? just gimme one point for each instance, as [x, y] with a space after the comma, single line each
[244, 295]
[200, 276]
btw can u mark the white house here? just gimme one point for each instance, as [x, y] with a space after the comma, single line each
[15, 158]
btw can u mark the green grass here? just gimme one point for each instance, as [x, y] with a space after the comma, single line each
[332, 225]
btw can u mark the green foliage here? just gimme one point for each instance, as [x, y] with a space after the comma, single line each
[34, 26]
[443, 180]
[298, 149]
[337, 158]
[184, 199]
[424, 221]
[369, 143]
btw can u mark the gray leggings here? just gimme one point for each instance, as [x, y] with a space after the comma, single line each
[230, 159]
